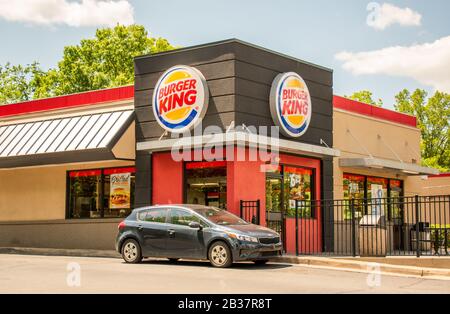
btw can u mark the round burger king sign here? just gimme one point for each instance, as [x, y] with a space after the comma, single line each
[180, 99]
[290, 104]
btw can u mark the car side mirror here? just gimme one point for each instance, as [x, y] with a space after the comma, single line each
[195, 225]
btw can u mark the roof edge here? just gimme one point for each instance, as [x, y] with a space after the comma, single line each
[228, 41]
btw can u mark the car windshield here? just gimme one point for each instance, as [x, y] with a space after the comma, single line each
[219, 216]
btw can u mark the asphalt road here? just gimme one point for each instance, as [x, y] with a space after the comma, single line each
[45, 274]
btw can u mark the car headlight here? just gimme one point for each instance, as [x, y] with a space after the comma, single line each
[243, 238]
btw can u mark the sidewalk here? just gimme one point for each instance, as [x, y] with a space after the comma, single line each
[418, 267]
[425, 267]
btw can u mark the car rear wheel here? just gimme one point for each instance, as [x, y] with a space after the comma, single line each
[261, 262]
[219, 255]
[131, 251]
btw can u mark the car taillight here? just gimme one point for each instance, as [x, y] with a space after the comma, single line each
[122, 225]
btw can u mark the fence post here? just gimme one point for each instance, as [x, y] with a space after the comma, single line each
[258, 212]
[296, 228]
[242, 209]
[416, 201]
[352, 208]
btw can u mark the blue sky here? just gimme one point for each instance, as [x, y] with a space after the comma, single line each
[315, 31]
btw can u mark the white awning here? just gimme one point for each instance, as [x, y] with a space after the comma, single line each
[387, 165]
[62, 139]
[238, 138]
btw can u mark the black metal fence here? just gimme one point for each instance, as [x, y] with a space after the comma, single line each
[251, 211]
[416, 226]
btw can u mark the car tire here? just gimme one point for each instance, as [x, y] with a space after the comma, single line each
[261, 262]
[173, 260]
[219, 255]
[131, 251]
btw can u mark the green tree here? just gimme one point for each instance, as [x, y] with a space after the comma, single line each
[104, 61]
[433, 116]
[17, 82]
[366, 97]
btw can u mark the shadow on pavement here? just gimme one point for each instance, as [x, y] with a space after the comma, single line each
[190, 263]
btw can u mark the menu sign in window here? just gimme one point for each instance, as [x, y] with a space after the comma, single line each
[120, 191]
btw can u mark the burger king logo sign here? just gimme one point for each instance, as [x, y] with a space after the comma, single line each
[180, 99]
[290, 104]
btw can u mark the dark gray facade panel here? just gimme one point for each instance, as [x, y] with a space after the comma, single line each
[262, 91]
[263, 75]
[312, 136]
[211, 71]
[216, 105]
[190, 56]
[280, 63]
[217, 87]
[152, 130]
[143, 183]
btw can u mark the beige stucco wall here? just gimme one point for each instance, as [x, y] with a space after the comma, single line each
[357, 136]
[427, 186]
[39, 193]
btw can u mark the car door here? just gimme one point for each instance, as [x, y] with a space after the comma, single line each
[152, 224]
[184, 241]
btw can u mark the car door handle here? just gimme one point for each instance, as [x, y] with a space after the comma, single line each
[171, 232]
[140, 228]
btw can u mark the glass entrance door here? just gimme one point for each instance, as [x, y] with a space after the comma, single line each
[275, 204]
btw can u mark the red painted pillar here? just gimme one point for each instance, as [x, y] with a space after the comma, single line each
[246, 181]
[167, 181]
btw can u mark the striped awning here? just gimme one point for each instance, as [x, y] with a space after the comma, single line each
[70, 139]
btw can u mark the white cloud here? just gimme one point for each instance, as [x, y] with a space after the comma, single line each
[427, 63]
[72, 13]
[385, 15]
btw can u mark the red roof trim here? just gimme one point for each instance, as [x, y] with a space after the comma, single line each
[442, 175]
[68, 101]
[373, 111]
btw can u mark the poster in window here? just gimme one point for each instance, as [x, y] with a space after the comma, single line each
[377, 196]
[120, 191]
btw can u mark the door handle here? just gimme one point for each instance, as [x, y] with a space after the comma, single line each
[140, 228]
[171, 232]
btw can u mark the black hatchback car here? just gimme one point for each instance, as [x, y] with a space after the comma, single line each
[194, 232]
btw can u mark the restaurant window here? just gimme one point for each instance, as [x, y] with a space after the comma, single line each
[101, 193]
[206, 183]
[299, 188]
[396, 194]
[380, 193]
[377, 192]
[354, 189]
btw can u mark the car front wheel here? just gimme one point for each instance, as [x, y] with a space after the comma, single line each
[131, 251]
[219, 255]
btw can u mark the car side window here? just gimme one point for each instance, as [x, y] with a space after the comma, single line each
[183, 217]
[153, 215]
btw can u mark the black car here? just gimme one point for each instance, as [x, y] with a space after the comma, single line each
[194, 232]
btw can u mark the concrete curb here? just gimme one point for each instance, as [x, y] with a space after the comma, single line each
[366, 267]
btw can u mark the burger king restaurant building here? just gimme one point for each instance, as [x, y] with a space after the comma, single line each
[72, 167]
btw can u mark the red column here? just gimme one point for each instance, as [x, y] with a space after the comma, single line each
[167, 181]
[246, 181]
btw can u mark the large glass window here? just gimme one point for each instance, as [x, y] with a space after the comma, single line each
[206, 183]
[354, 189]
[298, 187]
[101, 193]
[396, 194]
[375, 190]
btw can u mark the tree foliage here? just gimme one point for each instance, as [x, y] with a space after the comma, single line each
[366, 97]
[104, 61]
[433, 116]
